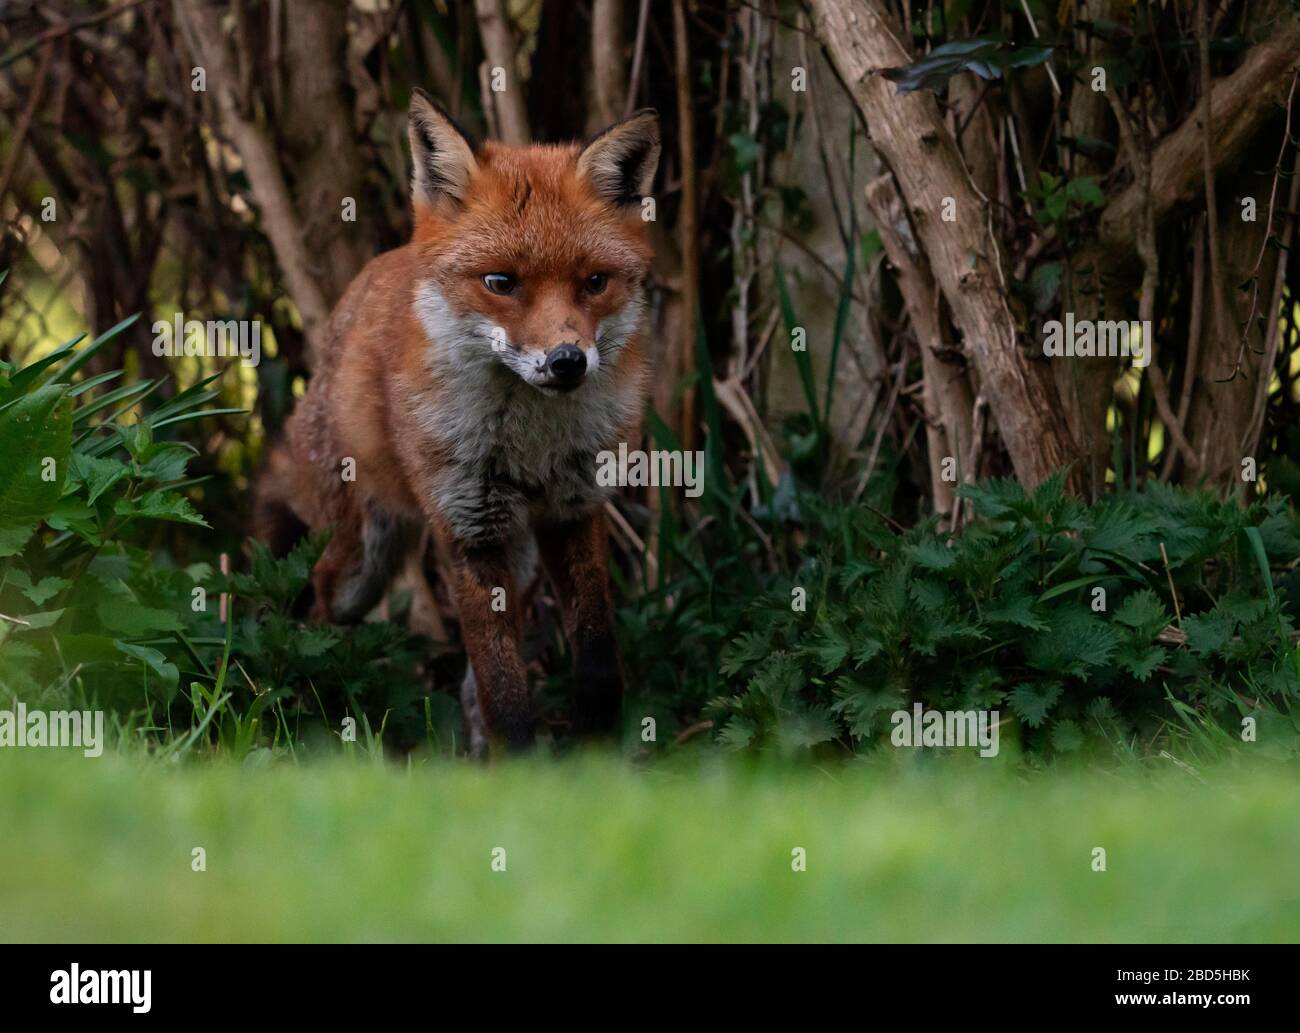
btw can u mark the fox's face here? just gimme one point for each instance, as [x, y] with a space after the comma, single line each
[533, 259]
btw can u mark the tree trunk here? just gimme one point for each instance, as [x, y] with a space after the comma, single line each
[949, 407]
[909, 133]
[317, 127]
[508, 104]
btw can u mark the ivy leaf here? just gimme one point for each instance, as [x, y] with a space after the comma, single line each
[1089, 145]
[989, 57]
[746, 150]
[1045, 285]
[1085, 192]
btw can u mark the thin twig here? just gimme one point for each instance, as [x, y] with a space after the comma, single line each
[1268, 227]
[638, 55]
[1178, 612]
[25, 119]
[63, 28]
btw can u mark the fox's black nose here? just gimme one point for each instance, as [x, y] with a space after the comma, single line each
[566, 364]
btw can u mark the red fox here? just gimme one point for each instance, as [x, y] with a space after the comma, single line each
[467, 382]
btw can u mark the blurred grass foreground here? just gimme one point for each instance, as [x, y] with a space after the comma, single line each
[591, 849]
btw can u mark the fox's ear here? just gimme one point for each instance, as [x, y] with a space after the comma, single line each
[442, 154]
[621, 161]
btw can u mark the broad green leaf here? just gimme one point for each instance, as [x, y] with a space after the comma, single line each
[124, 617]
[35, 438]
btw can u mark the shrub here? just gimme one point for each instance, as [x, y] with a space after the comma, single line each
[1056, 612]
[93, 614]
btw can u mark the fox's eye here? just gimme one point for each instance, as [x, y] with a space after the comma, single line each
[596, 283]
[500, 283]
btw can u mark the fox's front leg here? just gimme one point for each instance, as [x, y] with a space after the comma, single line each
[490, 604]
[576, 556]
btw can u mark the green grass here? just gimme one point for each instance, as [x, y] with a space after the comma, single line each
[597, 849]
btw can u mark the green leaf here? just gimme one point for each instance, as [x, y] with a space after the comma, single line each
[42, 591]
[742, 652]
[156, 662]
[1140, 660]
[71, 514]
[805, 729]
[866, 652]
[44, 619]
[1045, 285]
[123, 617]
[931, 554]
[98, 475]
[315, 641]
[870, 246]
[1070, 586]
[1031, 701]
[35, 438]
[12, 539]
[1075, 640]
[166, 460]
[137, 438]
[1143, 611]
[988, 57]
[830, 652]
[737, 734]
[996, 498]
[161, 505]
[1018, 611]
[1208, 633]
[746, 150]
[1066, 736]
[1085, 192]
[802, 360]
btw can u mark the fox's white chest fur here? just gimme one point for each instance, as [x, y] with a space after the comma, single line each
[516, 451]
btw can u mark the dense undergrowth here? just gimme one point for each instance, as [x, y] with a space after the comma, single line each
[1153, 619]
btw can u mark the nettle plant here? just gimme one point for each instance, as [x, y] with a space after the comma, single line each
[1141, 620]
[94, 612]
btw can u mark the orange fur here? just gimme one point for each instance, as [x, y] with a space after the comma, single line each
[445, 396]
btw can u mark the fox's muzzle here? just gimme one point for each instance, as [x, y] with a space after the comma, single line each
[566, 365]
